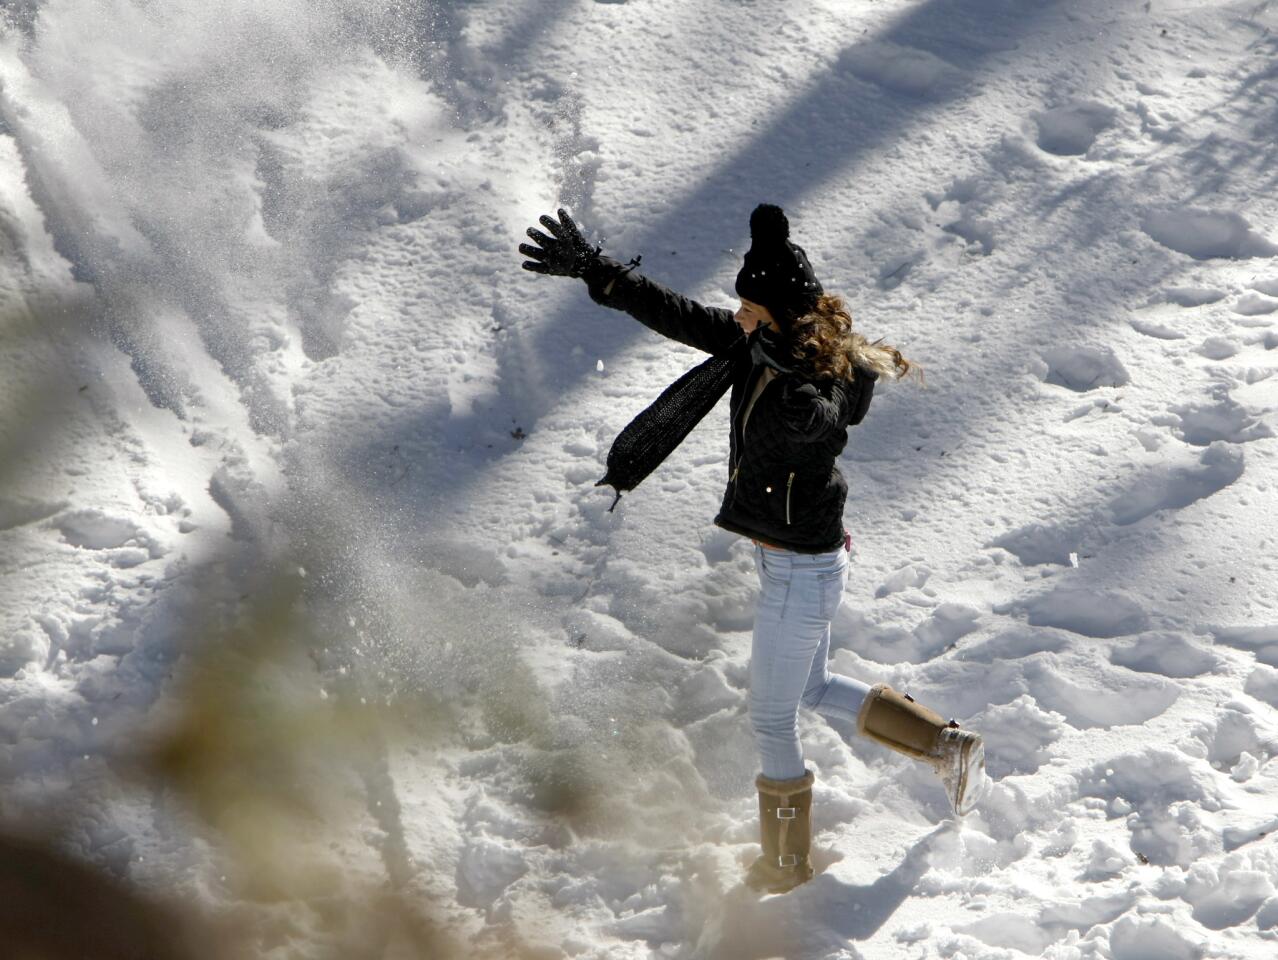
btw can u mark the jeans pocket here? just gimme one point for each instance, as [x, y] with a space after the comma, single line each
[830, 586]
[771, 568]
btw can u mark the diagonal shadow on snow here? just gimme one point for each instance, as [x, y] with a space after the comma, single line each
[533, 376]
[768, 167]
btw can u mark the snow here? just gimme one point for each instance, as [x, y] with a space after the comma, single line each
[1072, 129]
[1204, 234]
[313, 621]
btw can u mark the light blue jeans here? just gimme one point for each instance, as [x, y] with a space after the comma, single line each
[799, 594]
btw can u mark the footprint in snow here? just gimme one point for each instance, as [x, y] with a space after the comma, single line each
[1084, 610]
[1206, 234]
[123, 543]
[1193, 296]
[901, 69]
[958, 211]
[1040, 543]
[889, 642]
[894, 271]
[1220, 418]
[1259, 395]
[1071, 130]
[1173, 487]
[1233, 898]
[1165, 654]
[94, 530]
[1234, 737]
[1162, 487]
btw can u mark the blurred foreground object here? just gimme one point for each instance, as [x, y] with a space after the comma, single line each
[56, 908]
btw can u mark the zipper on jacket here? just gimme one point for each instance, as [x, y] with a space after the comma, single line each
[740, 433]
[788, 484]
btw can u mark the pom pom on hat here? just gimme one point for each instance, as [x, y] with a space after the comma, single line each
[768, 225]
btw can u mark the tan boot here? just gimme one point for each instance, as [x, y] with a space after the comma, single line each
[785, 825]
[958, 756]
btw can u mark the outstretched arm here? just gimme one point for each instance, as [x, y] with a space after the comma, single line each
[659, 308]
[566, 253]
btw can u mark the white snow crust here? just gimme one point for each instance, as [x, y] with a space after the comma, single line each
[297, 470]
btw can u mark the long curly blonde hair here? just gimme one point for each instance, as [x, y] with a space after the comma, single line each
[823, 342]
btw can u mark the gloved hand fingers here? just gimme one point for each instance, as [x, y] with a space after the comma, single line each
[799, 390]
[541, 238]
[528, 250]
[535, 267]
[571, 232]
[553, 225]
[798, 397]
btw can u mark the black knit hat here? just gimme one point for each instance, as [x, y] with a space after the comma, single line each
[776, 273]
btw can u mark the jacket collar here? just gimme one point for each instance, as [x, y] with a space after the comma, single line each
[767, 349]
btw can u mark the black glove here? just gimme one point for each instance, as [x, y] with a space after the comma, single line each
[566, 254]
[805, 411]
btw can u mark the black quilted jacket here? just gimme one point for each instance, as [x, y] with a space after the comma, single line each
[784, 486]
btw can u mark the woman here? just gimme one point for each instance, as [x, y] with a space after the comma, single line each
[799, 376]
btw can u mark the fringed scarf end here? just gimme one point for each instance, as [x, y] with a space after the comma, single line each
[615, 500]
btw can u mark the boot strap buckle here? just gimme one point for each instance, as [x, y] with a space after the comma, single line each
[788, 860]
[787, 813]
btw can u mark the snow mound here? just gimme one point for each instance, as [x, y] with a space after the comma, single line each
[1159, 331]
[948, 623]
[1262, 641]
[1025, 735]
[1193, 296]
[1217, 348]
[1228, 895]
[910, 575]
[1153, 939]
[1206, 234]
[1072, 129]
[1255, 305]
[1262, 683]
[1083, 368]
[1233, 734]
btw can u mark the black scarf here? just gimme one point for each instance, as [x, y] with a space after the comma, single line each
[651, 436]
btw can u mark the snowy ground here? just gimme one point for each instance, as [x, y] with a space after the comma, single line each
[296, 470]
